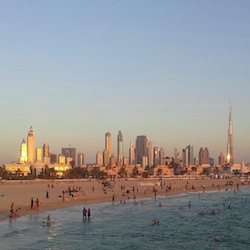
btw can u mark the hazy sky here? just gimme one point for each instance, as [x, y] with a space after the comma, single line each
[165, 69]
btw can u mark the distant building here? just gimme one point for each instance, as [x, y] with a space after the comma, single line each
[53, 158]
[23, 152]
[99, 158]
[120, 148]
[230, 153]
[80, 159]
[131, 154]
[141, 148]
[31, 145]
[161, 156]
[61, 159]
[70, 152]
[203, 156]
[190, 149]
[38, 154]
[150, 153]
[106, 157]
[156, 156]
[46, 150]
[108, 145]
[221, 159]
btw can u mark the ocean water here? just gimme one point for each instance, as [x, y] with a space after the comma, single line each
[128, 226]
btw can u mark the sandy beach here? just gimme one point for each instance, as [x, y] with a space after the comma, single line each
[92, 191]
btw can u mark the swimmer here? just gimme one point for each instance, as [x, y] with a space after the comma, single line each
[189, 203]
[201, 212]
[216, 238]
[160, 205]
[47, 221]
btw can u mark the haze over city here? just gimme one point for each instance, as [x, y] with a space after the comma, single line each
[74, 70]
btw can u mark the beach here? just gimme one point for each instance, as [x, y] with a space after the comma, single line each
[51, 197]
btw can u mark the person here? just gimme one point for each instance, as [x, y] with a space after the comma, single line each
[37, 204]
[47, 195]
[48, 220]
[63, 196]
[31, 203]
[84, 213]
[201, 212]
[189, 203]
[89, 213]
[113, 198]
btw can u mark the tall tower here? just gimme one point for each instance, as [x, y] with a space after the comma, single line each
[108, 143]
[230, 155]
[141, 148]
[150, 153]
[31, 145]
[131, 154]
[23, 152]
[119, 147]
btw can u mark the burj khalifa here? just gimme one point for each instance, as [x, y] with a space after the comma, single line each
[230, 155]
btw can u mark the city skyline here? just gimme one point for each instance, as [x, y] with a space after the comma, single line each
[143, 148]
[164, 69]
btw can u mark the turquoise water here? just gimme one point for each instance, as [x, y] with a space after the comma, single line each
[128, 226]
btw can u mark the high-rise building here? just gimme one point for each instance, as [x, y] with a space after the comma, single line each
[141, 148]
[150, 153]
[131, 154]
[53, 158]
[221, 159]
[108, 145]
[156, 156]
[38, 154]
[70, 152]
[190, 149]
[106, 157]
[120, 148]
[31, 145]
[230, 155]
[23, 152]
[99, 158]
[161, 156]
[45, 150]
[80, 159]
[203, 156]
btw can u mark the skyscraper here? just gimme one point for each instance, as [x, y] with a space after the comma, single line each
[119, 148]
[38, 154]
[203, 156]
[230, 156]
[150, 153]
[31, 145]
[70, 153]
[45, 150]
[80, 159]
[23, 152]
[108, 144]
[141, 148]
[190, 149]
[131, 154]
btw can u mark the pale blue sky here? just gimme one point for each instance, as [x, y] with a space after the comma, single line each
[165, 69]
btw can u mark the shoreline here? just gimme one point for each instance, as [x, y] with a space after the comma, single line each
[93, 192]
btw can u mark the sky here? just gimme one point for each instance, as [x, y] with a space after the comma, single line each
[74, 70]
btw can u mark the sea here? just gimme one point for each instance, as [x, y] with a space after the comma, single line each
[129, 226]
